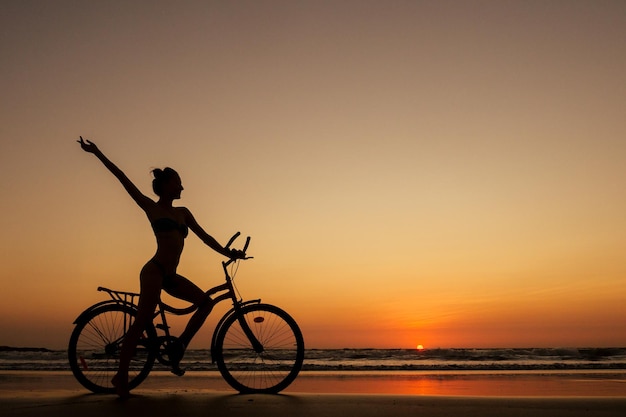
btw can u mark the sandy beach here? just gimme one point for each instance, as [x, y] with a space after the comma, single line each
[198, 403]
[51, 394]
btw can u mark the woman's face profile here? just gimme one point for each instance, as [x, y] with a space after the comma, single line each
[173, 187]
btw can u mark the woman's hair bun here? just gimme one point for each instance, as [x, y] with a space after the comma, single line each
[161, 176]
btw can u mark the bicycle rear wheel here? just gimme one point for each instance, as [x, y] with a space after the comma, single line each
[271, 370]
[95, 345]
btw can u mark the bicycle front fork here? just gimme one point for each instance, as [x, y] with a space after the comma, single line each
[256, 344]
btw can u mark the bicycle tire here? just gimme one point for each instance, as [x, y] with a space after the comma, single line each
[270, 371]
[95, 344]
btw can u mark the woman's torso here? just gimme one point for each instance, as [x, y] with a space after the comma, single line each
[170, 231]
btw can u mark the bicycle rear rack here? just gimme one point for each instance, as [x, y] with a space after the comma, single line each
[120, 296]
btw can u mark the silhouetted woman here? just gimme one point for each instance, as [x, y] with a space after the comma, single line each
[170, 225]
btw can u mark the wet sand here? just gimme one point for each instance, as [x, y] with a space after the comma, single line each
[52, 394]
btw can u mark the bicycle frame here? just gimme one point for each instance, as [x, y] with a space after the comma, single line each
[128, 299]
[229, 293]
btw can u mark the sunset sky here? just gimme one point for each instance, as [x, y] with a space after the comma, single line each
[444, 173]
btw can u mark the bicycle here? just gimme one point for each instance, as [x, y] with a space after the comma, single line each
[258, 348]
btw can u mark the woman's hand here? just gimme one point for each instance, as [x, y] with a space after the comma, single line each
[236, 254]
[87, 145]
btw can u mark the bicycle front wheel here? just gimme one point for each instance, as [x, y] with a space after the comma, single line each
[271, 370]
[95, 344]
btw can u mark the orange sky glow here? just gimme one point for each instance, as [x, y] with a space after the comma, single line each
[444, 173]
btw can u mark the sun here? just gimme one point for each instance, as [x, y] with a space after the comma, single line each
[420, 347]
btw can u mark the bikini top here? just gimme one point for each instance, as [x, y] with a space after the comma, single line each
[166, 224]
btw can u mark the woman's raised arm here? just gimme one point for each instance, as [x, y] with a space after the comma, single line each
[142, 200]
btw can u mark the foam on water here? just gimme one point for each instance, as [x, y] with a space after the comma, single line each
[380, 359]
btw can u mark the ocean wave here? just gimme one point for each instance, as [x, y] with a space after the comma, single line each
[443, 359]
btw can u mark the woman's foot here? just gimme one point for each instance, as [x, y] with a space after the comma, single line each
[121, 386]
[176, 353]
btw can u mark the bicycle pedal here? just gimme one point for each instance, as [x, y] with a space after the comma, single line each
[161, 326]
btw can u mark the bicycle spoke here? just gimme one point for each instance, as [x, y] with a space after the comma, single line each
[280, 360]
[95, 347]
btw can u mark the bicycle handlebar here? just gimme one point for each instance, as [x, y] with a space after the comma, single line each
[232, 239]
[245, 247]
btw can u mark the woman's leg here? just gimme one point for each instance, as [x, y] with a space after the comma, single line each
[150, 281]
[186, 290]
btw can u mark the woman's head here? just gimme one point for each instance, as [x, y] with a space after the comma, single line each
[166, 183]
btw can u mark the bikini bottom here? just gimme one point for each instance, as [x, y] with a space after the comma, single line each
[169, 282]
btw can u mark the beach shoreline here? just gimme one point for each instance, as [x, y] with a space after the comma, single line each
[463, 383]
[56, 393]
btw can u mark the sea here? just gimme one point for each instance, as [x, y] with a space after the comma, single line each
[436, 360]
